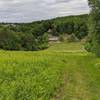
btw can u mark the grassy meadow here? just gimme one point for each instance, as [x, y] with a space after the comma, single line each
[65, 71]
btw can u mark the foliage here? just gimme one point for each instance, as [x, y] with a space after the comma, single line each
[94, 36]
[72, 24]
[34, 36]
[72, 38]
[61, 38]
[10, 40]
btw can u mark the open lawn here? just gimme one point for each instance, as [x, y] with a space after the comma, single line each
[65, 71]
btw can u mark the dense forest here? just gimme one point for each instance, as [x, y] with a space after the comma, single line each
[34, 36]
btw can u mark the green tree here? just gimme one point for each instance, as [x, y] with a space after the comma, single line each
[8, 39]
[94, 36]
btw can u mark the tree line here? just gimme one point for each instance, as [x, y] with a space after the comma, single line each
[93, 42]
[34, 36]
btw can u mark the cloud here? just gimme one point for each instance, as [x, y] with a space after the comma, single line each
[32, 10]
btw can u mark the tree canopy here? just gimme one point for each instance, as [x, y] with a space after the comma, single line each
[34, 36]
[94, 27]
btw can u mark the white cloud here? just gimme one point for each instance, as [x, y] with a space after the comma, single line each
[30, 10]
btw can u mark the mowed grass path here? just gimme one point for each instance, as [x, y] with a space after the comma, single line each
[67, 47]
[63, 72]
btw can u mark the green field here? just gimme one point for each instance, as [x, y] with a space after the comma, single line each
[63, 72]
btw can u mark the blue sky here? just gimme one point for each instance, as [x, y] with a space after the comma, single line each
[32, 10]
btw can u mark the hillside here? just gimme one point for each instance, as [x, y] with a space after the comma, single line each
[34, 36]
[63, 72]
[53, 59]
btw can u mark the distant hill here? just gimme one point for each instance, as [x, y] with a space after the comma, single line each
[34, 35]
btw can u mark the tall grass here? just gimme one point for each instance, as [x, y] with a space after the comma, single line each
[29, 76]
[40, 75]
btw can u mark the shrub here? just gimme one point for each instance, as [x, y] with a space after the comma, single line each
[10, 40]
[94, 26]
[72, 38]
[61, 38]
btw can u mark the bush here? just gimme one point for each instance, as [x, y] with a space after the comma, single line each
[88, 47]
[72, 38]
[94, 26]
[10, 40]
[61, 38]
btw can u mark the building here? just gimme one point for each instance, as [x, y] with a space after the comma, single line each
[53, 38]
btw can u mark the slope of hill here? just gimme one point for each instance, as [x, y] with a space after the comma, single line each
[58, 73]
[34, 36]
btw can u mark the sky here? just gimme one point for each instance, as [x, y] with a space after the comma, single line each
[33, 10]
